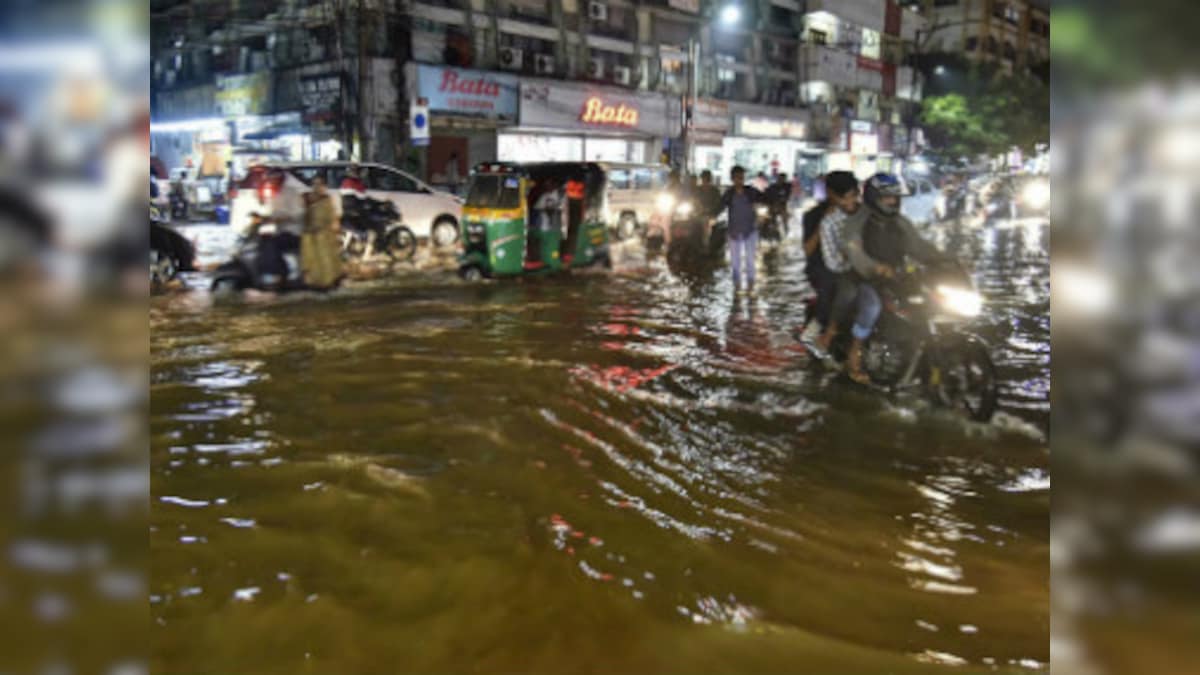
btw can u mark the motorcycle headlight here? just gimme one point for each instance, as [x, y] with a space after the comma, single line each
[1036, 194]
[761, 210]
[960, 301]
[684, 209]
[665, 202]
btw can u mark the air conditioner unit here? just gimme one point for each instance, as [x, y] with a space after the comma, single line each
[511, 59]
[622, 75]
[597, 11]
[596, 69]
[543, 64]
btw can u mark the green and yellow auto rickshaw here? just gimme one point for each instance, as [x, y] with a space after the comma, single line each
[533, 218]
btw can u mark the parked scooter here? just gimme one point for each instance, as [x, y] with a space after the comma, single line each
[373, 226]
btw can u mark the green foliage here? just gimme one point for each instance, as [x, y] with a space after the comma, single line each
[988, 117]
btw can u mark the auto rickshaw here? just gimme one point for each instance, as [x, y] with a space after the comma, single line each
[533, 218]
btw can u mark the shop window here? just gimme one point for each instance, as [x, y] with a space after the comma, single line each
[387, 180]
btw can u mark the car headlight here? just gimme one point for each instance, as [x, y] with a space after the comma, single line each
[761, 210]
[665, 202]
[1083, 291]
[1036, 194]
[960, 301]
[684, 209]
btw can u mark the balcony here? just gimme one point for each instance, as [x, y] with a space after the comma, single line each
[866, 13]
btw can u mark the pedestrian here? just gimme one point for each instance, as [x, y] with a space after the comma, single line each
[708, 201]
[740, 200]
[353, 181]
[320, 257]
[451, 171]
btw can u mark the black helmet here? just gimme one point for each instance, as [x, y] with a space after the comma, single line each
[883, 185]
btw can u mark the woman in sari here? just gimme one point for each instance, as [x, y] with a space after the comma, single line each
[320, 255]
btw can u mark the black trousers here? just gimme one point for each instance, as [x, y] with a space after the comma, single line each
[824, 282]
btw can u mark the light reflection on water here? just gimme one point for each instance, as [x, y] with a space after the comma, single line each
[587, 468]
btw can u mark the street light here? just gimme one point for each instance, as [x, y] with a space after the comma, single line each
[728, 16]
[940, 70]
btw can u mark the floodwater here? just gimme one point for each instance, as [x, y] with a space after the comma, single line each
[626, 473]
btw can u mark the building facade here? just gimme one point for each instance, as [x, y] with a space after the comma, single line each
[1011, 34]
[798, 86]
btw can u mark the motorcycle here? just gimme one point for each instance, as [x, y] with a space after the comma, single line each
[372, 226]
[919, 343]
[770, 223]
[170, 252]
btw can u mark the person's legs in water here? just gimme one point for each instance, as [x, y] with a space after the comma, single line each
[735, 253]
[826, 287]
[869, 308]
[751, 253]
[845, 297]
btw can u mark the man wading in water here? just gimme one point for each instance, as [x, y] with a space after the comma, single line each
[743, 230]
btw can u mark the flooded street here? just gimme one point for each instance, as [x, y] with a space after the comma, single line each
[595, 473]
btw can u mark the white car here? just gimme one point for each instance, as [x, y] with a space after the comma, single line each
[429, 213]
[920, 203]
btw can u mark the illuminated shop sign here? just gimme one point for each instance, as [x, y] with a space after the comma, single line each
[769, 127]
[596, 111]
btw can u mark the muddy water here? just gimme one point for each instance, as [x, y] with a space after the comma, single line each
[626, 473]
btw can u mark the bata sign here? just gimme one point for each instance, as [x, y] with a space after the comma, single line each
[468, 92]
[596, 111]
[769, 127]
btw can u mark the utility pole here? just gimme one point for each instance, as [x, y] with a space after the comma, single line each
[363, 145]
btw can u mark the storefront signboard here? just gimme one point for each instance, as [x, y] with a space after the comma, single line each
[860, 126]
[692, 6]
[240, 95]
[475, 93]
[572, 107]
[770, 127]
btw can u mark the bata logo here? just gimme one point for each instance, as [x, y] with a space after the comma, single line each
[460, 85]
[596, 112]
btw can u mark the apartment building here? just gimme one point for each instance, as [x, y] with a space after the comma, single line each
[1011, 34]
[792, 85]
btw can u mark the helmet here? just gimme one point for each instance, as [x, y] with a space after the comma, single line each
[882, 185]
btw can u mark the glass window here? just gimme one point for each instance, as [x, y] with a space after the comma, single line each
[306, 174]
[618, 179]
[499, 191]
[643, 179]
[334, 175]
[379, 178]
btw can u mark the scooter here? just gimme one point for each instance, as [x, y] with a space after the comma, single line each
[267, 259]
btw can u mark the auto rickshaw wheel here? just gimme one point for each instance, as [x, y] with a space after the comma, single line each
[471, 273]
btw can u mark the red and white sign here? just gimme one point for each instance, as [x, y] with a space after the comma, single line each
[549, 104]
[468, 92]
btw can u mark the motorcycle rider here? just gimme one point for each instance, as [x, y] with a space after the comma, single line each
[866, 248]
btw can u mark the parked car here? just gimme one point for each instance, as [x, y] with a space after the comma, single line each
[920, 202]
[633, 195]
[429, 213]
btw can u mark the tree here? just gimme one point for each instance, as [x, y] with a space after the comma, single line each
[988, 116]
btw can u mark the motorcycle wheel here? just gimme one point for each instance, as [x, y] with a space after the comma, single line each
[626, 227]
[969, 381]
[400, 244]
[225, 286]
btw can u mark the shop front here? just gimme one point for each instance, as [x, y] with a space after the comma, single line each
[468, 110]
[768, 141]
[861, 152]
[710, 127]
[562, 121]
